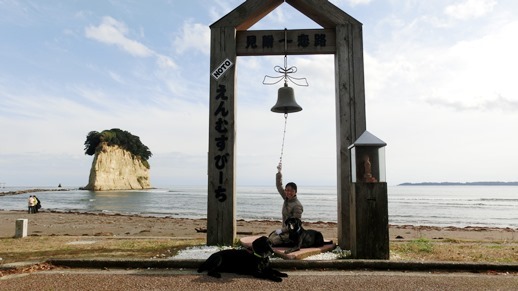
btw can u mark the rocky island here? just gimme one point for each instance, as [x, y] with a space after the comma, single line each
[120, 161]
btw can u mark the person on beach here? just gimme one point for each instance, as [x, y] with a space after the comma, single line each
[32, 204]
[37, 206]
[291, 208]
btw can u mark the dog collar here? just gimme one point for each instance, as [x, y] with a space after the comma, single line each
[255, 254]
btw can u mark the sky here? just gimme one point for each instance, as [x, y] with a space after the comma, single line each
[440, 85]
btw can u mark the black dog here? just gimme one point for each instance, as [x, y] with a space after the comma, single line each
[244, 262]
[301, 237]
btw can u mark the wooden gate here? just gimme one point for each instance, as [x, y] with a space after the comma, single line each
[340, 35]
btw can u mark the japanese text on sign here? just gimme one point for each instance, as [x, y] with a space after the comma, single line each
[221, 126]
[278, 42]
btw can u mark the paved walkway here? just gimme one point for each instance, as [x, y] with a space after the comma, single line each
[188, 279]
[117, 274]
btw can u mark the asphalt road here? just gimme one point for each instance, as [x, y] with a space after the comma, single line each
[188, 279]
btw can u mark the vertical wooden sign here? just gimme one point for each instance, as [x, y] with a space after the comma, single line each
[221, 223]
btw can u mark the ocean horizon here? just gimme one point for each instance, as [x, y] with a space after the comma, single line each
[456, 206]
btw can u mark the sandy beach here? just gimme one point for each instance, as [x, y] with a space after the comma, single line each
[87, 224]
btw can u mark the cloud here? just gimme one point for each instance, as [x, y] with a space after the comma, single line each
[116, 77]
[498, 103]
[165, 62]
[221, 7]
[114, 32]
[37, 118]
[480, 71]
[470, 9]
[471, 74]
[37, 169]
[358, 2]
[446, 100]
[195, 36]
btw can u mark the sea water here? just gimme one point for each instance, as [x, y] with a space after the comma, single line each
[459, 206]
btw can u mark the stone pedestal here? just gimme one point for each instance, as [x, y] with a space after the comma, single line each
[369, 221]
[21, 228]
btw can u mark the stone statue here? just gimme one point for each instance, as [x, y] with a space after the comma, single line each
[367, 170]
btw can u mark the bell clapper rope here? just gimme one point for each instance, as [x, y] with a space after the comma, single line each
[279, 167]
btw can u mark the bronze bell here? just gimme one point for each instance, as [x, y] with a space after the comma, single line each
[286, 101]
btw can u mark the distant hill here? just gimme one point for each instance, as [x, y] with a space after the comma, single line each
[461, 184]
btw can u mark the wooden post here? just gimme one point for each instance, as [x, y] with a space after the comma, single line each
[369, 221]
[350, 116]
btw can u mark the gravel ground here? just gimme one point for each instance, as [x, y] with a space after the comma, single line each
[203, 252]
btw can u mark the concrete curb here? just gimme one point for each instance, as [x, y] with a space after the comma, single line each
[379, 265]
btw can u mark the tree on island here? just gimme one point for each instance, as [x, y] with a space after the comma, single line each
[117, 137]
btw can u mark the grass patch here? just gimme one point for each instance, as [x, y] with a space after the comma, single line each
[421, 245]
[453, 250]
[42, 248]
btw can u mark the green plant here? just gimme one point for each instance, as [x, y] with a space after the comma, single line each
[341, 254]
[421, 245]
[118, 137]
